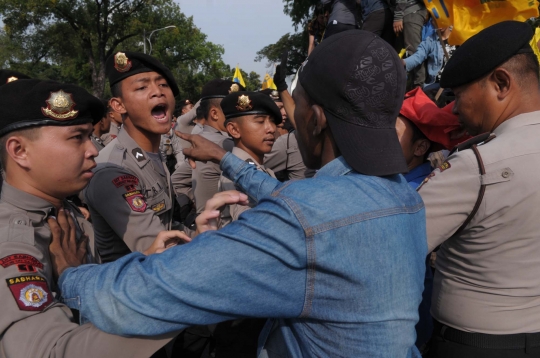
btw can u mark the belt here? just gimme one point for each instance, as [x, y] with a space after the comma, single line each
[491, 341]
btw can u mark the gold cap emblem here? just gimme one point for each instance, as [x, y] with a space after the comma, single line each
[60, 106]
[234, 88]
[121, 62]
[244, 103]
[11, 79]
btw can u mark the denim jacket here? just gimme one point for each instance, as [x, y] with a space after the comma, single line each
[336, 262]
[431, 50]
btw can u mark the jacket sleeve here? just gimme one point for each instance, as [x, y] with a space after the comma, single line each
[117, 203]
[421, 54]
[401, 5]
[138, 295]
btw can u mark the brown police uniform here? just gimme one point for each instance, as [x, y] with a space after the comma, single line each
[232, 212]
[129, 199]
[33, 322]
[285, 159]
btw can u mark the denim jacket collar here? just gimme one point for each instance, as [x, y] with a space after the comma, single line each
[335, 168]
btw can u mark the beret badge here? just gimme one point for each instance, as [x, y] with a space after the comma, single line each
[11, 79]
[60, 106]
[234, 88]
[121, 62]
[244, 103]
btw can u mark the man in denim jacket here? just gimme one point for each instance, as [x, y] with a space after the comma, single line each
[336, 262]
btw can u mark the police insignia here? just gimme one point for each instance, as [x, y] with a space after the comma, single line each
[234, 88]
[124, 180]
[244, 103]
[11, 79]
[159, 206]
[60, 106]
[135, 201]
[24, 262]
[138, 154]
[121, 62]
[30, 292]
[444, 166]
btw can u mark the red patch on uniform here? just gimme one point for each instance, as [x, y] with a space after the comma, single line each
[126, 179]
[444, 166]
[24, 262]
[135, 201]
[30, 292]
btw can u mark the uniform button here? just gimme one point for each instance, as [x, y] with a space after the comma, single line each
[505, 174]
[20, 222]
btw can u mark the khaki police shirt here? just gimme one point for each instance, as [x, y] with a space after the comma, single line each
[98, 143]
[487, 277]
[183, 123]
[232, 212]
[285, 157]
[113, 133]
[129, 199]
[205, 177]
[170, 145]
[33, 323]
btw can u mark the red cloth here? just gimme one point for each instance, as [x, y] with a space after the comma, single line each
[439, 125]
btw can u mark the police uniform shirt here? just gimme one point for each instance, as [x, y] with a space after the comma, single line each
[232, 212]
[487, 275]
[33, 322]
[171, 145]
[285, 156]
[129, 199]
[205, 177]
[113, 133]
[98, 143]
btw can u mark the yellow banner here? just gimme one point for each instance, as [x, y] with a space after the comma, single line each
[472, 16]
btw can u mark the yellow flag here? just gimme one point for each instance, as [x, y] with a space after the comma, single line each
[268, 82]
[535, 42]
[472, 16]
[238, 77]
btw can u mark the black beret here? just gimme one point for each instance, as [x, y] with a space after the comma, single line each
[7, 76]
[219, 88]
[274, 94]
[486, 50]
[33, 103]
[122, 65]
[239, 104]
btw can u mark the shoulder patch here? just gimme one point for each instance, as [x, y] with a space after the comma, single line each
[444, 166]
[24, 262]
[431, 175]
[135, 201]
[159, 206]
[30, 292]
[126, 179]
[138, 154]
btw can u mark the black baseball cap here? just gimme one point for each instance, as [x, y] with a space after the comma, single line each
[122, 65]
[34, 103]
[359, 81]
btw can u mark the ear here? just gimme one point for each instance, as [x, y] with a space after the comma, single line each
[503, 82]
[233, 129]
[421, 146]
[117, 105]
[17, 148]
[319, 119]
[214, 114]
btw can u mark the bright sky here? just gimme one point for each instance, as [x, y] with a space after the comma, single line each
[242, 27]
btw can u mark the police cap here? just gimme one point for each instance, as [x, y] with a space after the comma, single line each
[7, 76]
[239, 104]
[33, 103]
[486, 50]
[219, 88]
[122, 65]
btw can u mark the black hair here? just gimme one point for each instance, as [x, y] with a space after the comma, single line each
[417, 133]
[207, 104]
[116, 89]
[31, 133]
[524, 66]
[199, 113]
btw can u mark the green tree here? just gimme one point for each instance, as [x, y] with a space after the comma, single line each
[70, 40]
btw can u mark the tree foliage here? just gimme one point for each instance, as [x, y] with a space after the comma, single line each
[70, 40]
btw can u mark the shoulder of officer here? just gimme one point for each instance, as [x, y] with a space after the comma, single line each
[474, 141]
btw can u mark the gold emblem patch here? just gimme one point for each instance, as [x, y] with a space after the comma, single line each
[121, 62]
[60, 106]
[234, 88]
[11, 79]
[244, 103]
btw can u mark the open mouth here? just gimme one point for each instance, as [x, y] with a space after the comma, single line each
[159, 112]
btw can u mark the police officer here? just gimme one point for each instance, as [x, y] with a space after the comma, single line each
[251, 119]
[481, 205]
[48, 156]
[285, 158]
[115, 120]
[100, 129]
[129, 196]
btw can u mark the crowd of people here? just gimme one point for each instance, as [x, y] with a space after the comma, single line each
[346, 215]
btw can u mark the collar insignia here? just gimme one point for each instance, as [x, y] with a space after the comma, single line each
[234, 88]
[244, 103]
[60, 106]
[121, 62]
[11, 79]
